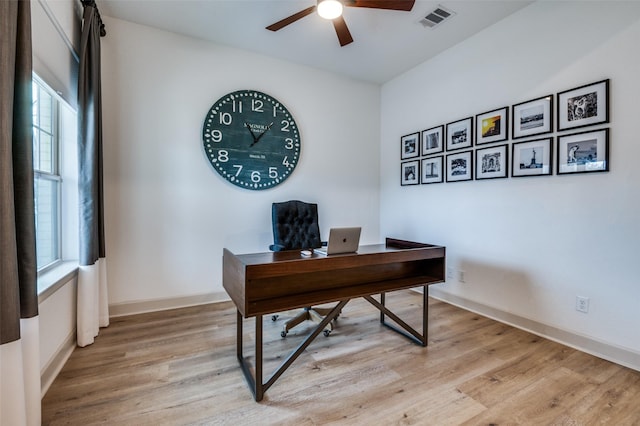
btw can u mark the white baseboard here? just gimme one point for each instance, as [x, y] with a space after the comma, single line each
[153, 305]
[613, 353]
[52, 369]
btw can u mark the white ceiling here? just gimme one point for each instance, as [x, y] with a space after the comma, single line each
[386, 43]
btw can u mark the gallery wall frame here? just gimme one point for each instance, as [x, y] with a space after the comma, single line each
[464, 150]
[410, 146]
[431, 170]
[433, 140]
[534, 117]
[583, 106]
[583, 152]
[492, 162]
[532, 158]
[492, 126]
[460, 134]
[459, 166]
[410, 173]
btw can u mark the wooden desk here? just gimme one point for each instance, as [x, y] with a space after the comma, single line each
[265, 283]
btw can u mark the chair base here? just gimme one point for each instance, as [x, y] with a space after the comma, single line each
[308, 314]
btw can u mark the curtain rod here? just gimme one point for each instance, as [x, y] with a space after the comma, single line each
[103, 31]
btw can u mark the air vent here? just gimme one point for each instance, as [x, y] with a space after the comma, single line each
[437, 17]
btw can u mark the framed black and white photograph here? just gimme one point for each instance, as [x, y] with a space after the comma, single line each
[492, 126]
[492, 162]
[533, 117]
[432, 140]
[583, 152]
[410, 146]
[460, 134]
[432, 171]
[460, 166]
[584, 106]
[410, 173]
[532, 158]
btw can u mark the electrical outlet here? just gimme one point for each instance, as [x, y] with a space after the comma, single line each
[461, 276]
[582, 304]
[450, 273]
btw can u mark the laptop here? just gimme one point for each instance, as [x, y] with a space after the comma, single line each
[341, 240]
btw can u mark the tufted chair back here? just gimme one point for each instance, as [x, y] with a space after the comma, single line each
[295, 226]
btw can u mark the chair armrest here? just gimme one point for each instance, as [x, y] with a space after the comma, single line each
[276, 247]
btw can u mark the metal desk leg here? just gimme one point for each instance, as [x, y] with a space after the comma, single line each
[408, 331]
[257, 386]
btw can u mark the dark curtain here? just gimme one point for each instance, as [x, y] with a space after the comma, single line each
[18, 270]
[90, 141]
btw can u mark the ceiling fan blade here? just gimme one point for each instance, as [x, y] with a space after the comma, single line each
[405, 5]
[291, 19]
[344, 36]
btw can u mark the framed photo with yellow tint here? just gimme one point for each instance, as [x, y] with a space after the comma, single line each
[492, 126]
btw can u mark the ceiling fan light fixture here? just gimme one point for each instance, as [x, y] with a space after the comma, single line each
[329, 9]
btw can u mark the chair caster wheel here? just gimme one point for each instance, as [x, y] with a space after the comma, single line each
[283, 334]
[327, 333]
[274, 317]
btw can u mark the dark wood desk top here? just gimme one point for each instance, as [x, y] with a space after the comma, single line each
[261, 283]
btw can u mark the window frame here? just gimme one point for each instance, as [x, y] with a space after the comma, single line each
[55, 176]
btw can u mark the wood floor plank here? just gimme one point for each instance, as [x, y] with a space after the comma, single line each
[179, 367]
[539, 403]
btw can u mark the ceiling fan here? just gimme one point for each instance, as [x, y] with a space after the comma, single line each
[332, 10]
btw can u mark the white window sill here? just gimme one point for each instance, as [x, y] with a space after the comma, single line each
[50, 281]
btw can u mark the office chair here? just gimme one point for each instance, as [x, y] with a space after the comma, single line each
[295, 227]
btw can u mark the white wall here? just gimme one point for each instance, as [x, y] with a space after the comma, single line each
[57, 320]
[168, 213]
[530, 245]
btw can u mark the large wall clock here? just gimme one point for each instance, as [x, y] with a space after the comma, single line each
[251, 139]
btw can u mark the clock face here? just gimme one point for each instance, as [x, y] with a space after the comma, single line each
[251, 139]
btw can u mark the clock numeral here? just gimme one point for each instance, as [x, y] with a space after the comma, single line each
[225, 118]
[256, 105]
[216, 135]
[285, 161]
[289, 143]
[255, 176]
[275, 109]
[223, 156]
[285, 125]
[237, 108]
[239, 167]
[273, 172]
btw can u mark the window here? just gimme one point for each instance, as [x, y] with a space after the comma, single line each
[53, 125]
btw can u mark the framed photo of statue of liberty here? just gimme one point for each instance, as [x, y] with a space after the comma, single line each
[532, 158]
[584, 106]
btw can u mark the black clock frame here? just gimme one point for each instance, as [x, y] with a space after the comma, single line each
[251, 139]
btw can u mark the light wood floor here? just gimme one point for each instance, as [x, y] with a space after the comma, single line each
[179, 367]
